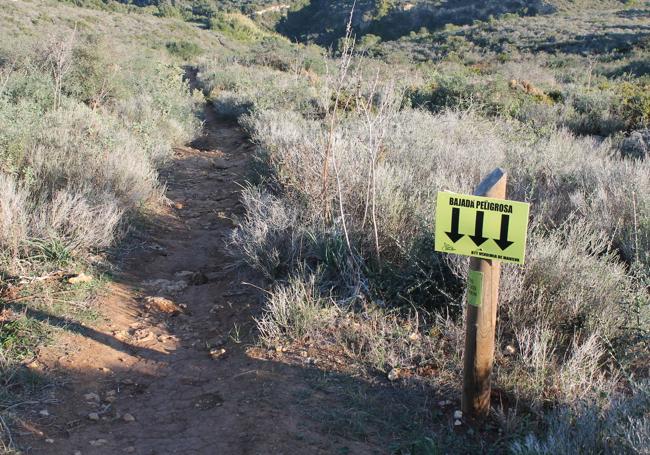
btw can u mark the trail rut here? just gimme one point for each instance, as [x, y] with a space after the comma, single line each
[151, 382]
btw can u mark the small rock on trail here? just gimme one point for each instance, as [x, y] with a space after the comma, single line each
[166, 286]
[163, 305]
[80, 278]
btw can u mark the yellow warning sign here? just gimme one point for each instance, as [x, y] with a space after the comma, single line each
[474, 287]
[481, 227]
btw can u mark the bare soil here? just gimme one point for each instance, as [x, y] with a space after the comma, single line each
[183, 375]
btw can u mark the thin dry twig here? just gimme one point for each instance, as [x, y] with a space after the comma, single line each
[346, 60]
[6, 434]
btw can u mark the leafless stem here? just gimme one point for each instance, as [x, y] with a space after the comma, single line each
[346, 59]
[342, 211]
[375, 116]
[636, 228]
[6, 431]
[5, 74]
[58, 59]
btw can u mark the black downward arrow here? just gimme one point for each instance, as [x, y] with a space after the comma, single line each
[454, 235]
[503, 241]
[478, 238]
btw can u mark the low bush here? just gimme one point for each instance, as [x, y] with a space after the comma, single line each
[236, 26]
[294, 312]
[622, 426]
[237, 89]
[265, 235]
[82, 135]
[279, 54]
[185, 50]
[634, 108]
[636, 145]
[491, 95]
[595, 107]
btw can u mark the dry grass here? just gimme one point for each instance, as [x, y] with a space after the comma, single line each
[356, 259]
[237, 89]
[619, 427]
[84, 128]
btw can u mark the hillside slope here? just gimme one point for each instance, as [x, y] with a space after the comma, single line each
[323, 22]
[619, 33]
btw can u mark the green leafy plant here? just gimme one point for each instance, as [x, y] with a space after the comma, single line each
[185, 50]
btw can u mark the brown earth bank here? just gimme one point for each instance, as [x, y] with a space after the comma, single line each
[173, 369]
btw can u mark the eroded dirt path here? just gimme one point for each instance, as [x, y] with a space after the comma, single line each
[151, 382]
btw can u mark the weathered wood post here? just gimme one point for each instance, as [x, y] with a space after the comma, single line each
[491, 230]
[480, 321]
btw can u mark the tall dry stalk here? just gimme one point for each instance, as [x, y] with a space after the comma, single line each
[375, 116]
[57, 56]
[5, 75]
[333, 118]
[374, 106]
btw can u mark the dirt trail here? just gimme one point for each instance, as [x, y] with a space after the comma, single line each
[163, 382]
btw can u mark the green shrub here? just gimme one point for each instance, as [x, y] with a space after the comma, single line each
[204, 10]
[591, 112]
[634, 108]
[19, 339]
[281, 55]
[28, 86]
[237, 90]
[602, 109]
[185, 50]
[235, 26]
[94, 78]
[459, 90]
[166, 9]
[367, 42]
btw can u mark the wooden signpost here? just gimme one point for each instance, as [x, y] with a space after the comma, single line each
[490, 229]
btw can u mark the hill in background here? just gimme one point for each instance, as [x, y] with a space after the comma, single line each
[323, 22]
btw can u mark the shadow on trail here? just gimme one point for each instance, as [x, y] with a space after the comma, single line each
[73, 326]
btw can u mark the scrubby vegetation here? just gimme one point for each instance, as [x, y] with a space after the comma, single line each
[350, 161]
[352, 147]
